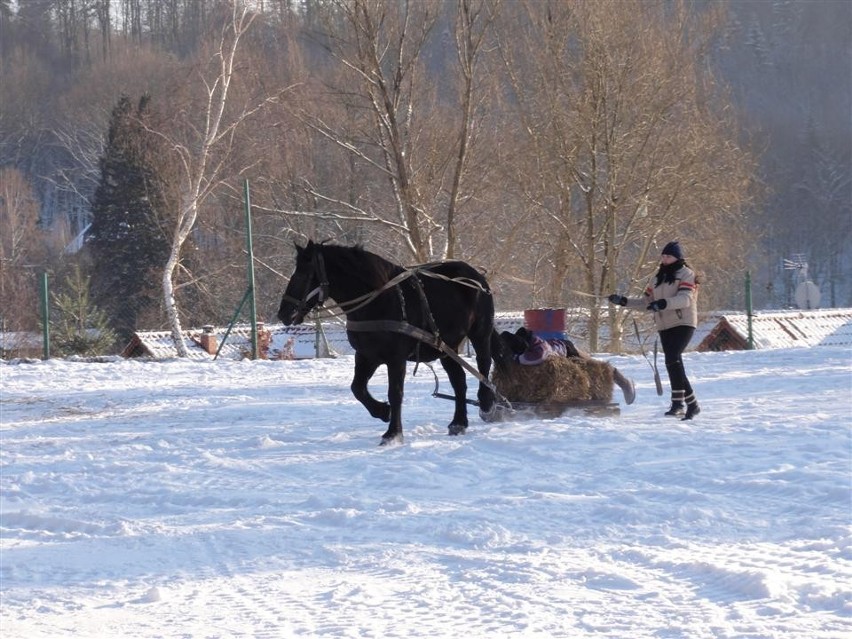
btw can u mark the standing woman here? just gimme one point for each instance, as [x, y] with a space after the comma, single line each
[674, 301]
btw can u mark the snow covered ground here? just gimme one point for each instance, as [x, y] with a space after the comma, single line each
[250, 499]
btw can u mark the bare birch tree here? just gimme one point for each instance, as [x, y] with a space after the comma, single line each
[203, 142]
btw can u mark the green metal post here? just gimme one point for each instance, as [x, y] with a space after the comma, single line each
[231, 324]
[250, 293]
[749, 311]
[45, 315]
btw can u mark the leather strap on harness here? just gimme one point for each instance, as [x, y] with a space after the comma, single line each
[419, 334]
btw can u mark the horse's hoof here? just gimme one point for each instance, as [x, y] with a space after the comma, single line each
[456, 429]
[487, 409]
[489, 415]
[487, 404]
[391, 440]
[497, 413]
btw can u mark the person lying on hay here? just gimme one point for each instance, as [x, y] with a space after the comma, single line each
[528, 349]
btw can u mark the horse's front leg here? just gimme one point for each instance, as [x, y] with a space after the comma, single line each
[459, 383]
[396, 382]
[364, 369]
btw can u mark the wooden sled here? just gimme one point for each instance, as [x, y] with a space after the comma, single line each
[551, 410]
[510, 411]
[549, 390]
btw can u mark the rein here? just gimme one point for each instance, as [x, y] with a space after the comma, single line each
[433, 339]
[356, 303]
[421, 335]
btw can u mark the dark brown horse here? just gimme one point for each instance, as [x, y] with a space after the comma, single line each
[397, 315]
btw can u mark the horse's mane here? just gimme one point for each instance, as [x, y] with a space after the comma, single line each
[358, 261]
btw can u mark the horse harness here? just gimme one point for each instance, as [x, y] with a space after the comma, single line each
[422, 336]
[433, 339]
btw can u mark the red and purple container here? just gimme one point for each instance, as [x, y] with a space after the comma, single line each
[547, 323]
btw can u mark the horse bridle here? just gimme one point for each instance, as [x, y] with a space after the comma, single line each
[320, 291]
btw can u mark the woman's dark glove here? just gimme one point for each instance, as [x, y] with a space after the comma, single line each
[657, 305]
[615, 298]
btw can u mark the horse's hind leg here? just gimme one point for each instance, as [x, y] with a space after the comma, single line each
[364, 369]
[459, 383]
[482, 346]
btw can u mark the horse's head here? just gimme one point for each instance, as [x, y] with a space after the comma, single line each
[308, 285]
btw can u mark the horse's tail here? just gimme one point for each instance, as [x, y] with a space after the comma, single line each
[500, 353]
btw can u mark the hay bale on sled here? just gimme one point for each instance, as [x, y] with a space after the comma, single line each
[600, 379]
[557, 379]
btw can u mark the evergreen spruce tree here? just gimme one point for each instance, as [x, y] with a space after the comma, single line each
[78, 327]
[126, 243]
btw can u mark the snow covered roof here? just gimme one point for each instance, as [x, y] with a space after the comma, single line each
[21, 344]
[333, 340]
[274, 342]
[10, 340]
[725, 331]
[159, 345]
[778, 329]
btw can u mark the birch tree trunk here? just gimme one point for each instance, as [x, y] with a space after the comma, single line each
[202, 154]
[184, 227]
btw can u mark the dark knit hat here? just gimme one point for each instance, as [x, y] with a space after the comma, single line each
[673, 249]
